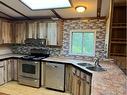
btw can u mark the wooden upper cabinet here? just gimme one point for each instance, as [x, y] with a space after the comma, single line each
[19, 32]
[32, 30]
[42, 28]
[54, 33]
[6, 32]
[0, 32]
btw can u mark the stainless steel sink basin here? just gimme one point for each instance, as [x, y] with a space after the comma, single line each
[99, 69]
[85, 64]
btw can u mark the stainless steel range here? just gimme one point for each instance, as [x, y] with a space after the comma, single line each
[30, 67]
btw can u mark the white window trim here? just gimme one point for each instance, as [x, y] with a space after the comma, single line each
[88, 30]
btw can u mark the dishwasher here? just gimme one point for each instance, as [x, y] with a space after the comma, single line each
[55, 76]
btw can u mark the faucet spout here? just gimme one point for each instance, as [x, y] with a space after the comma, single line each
[96, 62]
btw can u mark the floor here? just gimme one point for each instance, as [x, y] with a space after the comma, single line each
[13, 88]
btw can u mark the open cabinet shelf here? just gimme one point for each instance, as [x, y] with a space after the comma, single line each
[118, 34]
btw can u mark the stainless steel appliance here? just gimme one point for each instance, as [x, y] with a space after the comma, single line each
[55, 76]
[30, 67]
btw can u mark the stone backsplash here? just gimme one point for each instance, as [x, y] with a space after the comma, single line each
[98, 25]
[24, 49]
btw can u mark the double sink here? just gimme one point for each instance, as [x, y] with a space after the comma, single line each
[91, 67]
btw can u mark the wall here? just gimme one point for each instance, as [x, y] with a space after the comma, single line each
[21, 49]
[108, 23]
[5, 50]
[99, 25]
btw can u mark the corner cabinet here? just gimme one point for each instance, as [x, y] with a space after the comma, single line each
[81, 82]
[77, 82]
[118, 41]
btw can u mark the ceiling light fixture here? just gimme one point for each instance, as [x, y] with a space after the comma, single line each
[80, 9]
[46, 4]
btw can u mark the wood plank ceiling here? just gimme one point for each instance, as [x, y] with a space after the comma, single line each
[14, 9]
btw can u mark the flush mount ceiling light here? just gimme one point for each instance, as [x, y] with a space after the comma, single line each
[46, 4]
[80, 9]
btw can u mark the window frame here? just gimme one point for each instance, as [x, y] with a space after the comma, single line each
[83, 54]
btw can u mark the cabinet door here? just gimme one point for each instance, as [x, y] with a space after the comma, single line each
[1, 75]
[20, 32]
[59, 33]
[8, 70]
[68, 78]
[83, 87]
[0, 32]
[75, 85]
[42, 30]
[32, 30]
[52, 33]
[6, 32]
[88, 84]
[75, 82]
[15, 69]
[42, 73]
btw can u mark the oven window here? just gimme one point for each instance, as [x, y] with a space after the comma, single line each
[27, 68]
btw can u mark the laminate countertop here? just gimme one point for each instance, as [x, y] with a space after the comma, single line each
[10, 55]
[110, 82]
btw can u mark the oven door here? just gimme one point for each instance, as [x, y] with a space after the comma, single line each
[29, 69]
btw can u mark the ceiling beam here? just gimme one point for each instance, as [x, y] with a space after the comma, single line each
[5, 18]
[82, 18]
[99, 3]
[7, 15]
[57, 15]
[15, 10]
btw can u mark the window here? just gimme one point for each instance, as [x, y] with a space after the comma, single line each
[82, 43]
[46, 4]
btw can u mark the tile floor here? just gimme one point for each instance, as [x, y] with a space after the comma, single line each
[13, 88]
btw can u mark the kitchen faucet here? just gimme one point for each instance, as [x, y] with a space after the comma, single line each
[96, 62]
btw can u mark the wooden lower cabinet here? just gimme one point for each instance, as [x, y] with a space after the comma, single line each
[8, 70]
[15, 68]
[77, 82]
[1, 75]
[81, 82]
[75, 85]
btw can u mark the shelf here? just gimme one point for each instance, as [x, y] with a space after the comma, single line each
[117, 54]
[119, 26]
[118, 39]
[118, 42]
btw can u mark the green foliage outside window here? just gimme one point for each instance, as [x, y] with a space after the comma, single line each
[82, 43]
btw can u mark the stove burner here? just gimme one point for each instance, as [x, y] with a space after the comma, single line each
[28, 57]
[36, 58]
[37, 54]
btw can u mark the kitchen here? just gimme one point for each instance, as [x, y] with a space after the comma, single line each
[74, 48]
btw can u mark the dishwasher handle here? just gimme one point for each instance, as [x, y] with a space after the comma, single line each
[51, 65]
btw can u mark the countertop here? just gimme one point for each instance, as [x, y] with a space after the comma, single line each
[110, 82]
[10, 55]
